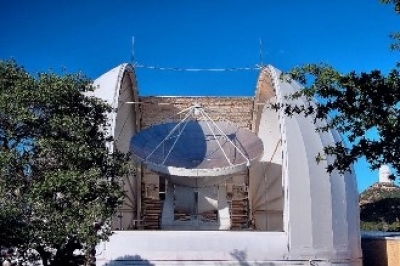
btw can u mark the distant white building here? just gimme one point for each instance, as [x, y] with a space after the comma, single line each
[384, 174]
[284, 209]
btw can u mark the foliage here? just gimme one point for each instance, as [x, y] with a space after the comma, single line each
[364, 107]
[395, 36]
[396, 4]
[379, 191]
[59, 184]
[380, 208]
[360, 106]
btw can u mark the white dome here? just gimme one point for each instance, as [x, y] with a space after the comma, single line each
[314, 215]
[321, 215]
[116, 87]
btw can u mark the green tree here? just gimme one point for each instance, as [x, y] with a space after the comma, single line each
[59, 184]
[380, 208]
[396, 4]
[364, 107]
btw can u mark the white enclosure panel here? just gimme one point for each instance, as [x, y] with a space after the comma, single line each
[316, 212]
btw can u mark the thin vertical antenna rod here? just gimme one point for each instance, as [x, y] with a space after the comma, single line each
[133, 50]
[261, 53]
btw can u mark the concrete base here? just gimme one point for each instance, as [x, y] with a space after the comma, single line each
[202, 248]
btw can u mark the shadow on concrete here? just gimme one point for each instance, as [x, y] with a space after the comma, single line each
[128, 260]
[240, 256]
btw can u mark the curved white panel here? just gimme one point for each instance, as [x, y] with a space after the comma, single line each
[117, 87]
[321, 210]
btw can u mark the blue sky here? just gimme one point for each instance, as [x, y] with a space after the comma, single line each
[95, 36]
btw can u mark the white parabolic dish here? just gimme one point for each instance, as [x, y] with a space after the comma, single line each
[196, 148]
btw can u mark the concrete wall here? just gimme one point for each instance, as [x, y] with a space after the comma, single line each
[192, 248]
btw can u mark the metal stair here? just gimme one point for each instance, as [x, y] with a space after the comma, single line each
[239, 213]
[151, 214]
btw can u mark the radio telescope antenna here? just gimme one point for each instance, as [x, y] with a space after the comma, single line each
[196, 146]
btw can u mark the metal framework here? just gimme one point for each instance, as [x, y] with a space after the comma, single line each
[196, 146]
